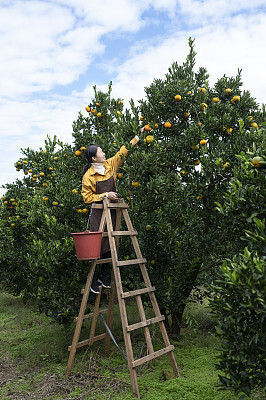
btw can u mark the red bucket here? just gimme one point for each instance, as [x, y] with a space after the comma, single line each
[87, 245]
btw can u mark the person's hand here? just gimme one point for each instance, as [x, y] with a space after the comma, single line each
[142, 129]
[112, 195]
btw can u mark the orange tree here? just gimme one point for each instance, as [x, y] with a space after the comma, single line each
[172, 181]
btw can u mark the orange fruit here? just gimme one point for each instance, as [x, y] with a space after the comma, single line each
[44, 184]
[135, 184]
[235, 99]
[187, 114]
[55, 203]
[228, 91]
[153, 262]
[149, 139]
[203, 106]
[79, 210]
[148, 228]
[196, 147]
[93, 111]
[45, 198]
[189, 92]
[141, 118]
[41, 173]
[156, 126]
[197, 162]
[30, 171]
[98, 104]
[254, 125]
[88, 109]
[202, 90]
[147, 127]
[203, 142]
[78, 153]
[74, 191]
[215, 100]
[199, 124]
[167, 124]
[119, 175]
[99, 115]
[85, 211]
[178, 97]
[82, 148]
[229, 131]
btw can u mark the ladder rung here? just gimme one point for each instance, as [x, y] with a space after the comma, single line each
[142, 324]
[124, 233]
[151, 356]
[86, 342]
[138, 292]
[111, 205]
[87, 316]
[131, 262]
[104, 261]
[121, 233]
[117, 205]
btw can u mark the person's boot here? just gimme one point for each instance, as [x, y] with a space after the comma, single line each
[103, 280]
[94, 285]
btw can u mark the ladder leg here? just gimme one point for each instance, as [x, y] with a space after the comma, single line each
[80, 318]
[95, 316]
[152, 295]
[112, 290]
[122, 307]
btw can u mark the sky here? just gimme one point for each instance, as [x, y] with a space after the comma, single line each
[52, 53]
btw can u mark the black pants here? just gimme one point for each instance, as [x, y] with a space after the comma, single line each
[105, 267]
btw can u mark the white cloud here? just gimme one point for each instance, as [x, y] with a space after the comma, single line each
[221, 49]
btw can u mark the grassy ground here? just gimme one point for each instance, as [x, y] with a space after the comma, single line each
[33, 359]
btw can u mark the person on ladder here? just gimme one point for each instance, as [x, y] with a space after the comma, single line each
[98, 182]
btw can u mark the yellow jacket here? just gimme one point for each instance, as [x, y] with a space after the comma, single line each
[91, 176]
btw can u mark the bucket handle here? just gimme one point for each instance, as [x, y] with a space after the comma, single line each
[89, 218]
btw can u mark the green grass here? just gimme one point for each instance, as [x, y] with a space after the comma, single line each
[33, 359]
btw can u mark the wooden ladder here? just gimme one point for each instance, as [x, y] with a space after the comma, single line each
[121, 209]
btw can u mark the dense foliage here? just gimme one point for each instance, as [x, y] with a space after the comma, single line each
[239, 295]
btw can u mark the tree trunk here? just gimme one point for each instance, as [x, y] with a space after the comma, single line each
[176, 322]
